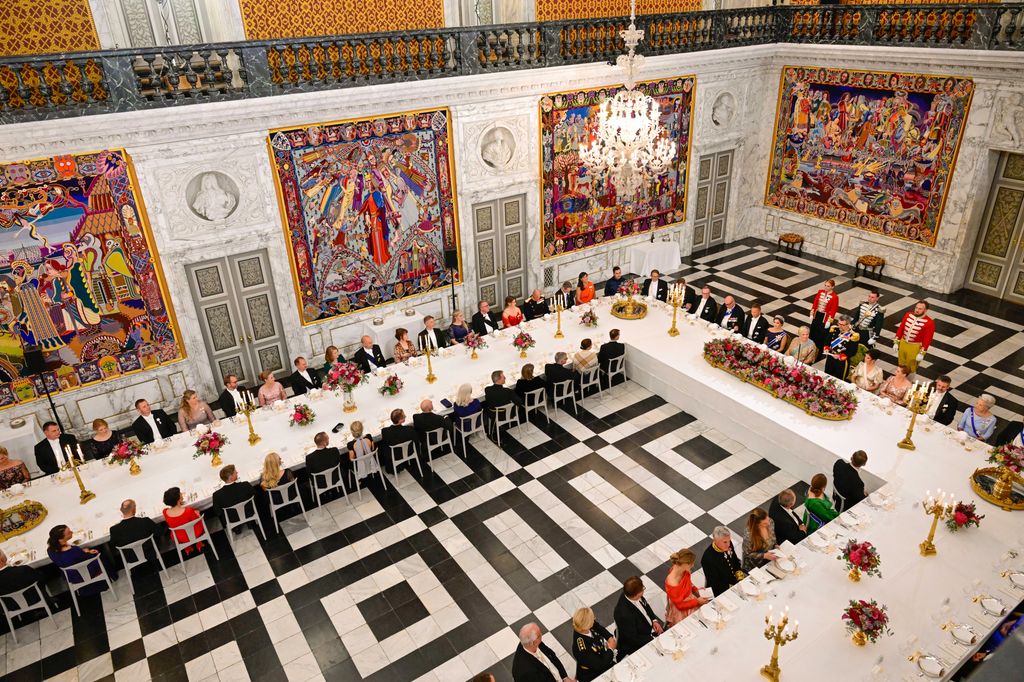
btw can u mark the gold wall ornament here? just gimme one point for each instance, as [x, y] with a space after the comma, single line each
[21, 518]
[999, 486]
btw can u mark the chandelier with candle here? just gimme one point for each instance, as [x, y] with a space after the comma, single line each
[630, 146]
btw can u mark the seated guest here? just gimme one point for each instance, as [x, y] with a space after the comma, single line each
[13, 471]
[179, 514]
[233, 492]
[802, 348]
[535, 661]
[65, 554]
[978, 421]
[610, 349]
[304, 377]
[528, 382]
[585, 357]
[755, 327]
[231, 399]
[706, 308]
[485, 321]
[568, 295]
[193, 411]
[431, 336]
[759, 541]
[426, 420]
[151, 425]
[271, 391]
[722, 568]
[535, 306]
[331, 356]
[584, 289]
[14, 579]
[398, 433]
[498, 395]
[483, 677]
[102, 442]
[942, 406]
[655, 287]
[895, 388]
[730, 315]
[359, 449]
[681, 597]
[868, 375]
[53, 450]
[404, 348]
[846, 478]
[511, 316]
[465, 404]
[324, 458]
[368, 357]
[274, 473]
[1012, 433]
[818, 509]
[611, 286]
[634, 619]
[788, 525]
[131, 528]
[689, 296]
[775, 337]
[592, 646]
[558, 371]
[459, 330]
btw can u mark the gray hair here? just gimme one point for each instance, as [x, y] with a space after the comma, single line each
[464, 396]
[804, 328]
[844, 318]
[787, 498]
[988, 399]
[561, 357]
[721, 532]
[495, 375]
[529, 634]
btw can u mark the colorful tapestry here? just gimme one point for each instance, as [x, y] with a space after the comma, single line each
[872, 150]
[80, 286]
[368, 209]
[46, 26]
[581, 211]
[305, 18]
[554, 10]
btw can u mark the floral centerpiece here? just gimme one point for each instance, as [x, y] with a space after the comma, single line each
[126, 452]
[345, 376]
[866, 621]
[391, 386]
[522, 341]
[629, 288]
[1009, 456]
[963, 515]
[861, 557]
[589, 319]
[474, 342]
[302, 415]
[210, 444]
[816, 394]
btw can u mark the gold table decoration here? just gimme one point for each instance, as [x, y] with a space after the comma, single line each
[936, 508]
[629, 309]
[133, 467]
[431, 377]
[919, 394]
[859, 638]
[84, 495]
[854, 575]
[1001, 490]
[558, 317]
[21, 518]
[780, 634]
[675, 299]
[247, 409]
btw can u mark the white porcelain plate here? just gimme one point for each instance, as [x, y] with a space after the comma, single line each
[1017, 579]
[964, 634]
[993, 606]
[709, 613]
[750, 589]
[819, 541]
[785, 565]
[931, 666]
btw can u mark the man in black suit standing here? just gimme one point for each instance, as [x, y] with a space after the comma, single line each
[235, 492]
[535, 306]
[637, 625]
[788, 525]
[558, 371]
[847, 481]
[54, 449]
[755, 327]
[535, 661]
[730, 315]
[706, 308]
[304, 377]
[232, 397]
[152, 425]
[369, 357]
[17, 578]
[498, 395]
[484, 321]
[131, 528]
[610, 350]
[427, 421]
[434, 338]
[942, 406]
[659, 285]
[396, 434]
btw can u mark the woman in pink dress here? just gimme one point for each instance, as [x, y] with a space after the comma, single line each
[271, 391]
[895, 387]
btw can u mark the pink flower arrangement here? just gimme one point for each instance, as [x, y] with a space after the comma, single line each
[1009, 456]
[589, 319]
[629, 288]
[125, 451]
[964, 515]
[862, 556]
[301, 415]
[868, 617]
[391, 386]
[474, 341]
[209, 444]
[522, 341]
[344, 376]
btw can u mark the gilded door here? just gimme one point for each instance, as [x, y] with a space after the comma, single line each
[997, 266]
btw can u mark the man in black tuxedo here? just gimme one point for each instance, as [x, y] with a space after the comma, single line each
[304, 377]
[152, 425]
[535, 306]
[484, 321]
[558, 371]
[498, 395]
[435, 338]
[755, 327]
[1011, 433]
[427, 420]
[369, 357]
[942, 406]
[324, 457]
[131, 528]
[660, 287]
[396, 434]
[235, 492]
[847, 481]
[568, 295]
[730, 315]
[54, 449]
[17, 578]
[706, 307]
[535, 661]
[788, 525]
[637, 625]
[232, 397]
[610, 350]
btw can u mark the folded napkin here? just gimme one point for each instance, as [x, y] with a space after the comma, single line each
[725, 602]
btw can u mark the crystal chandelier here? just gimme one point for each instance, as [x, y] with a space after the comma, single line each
[630, 146]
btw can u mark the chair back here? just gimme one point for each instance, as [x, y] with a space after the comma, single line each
[812, 518]
[436, 437]
[17, 602]
[193, 536]
[616, 366]
[243, 512]
[562, 390]
[284, 494]
[506, 414]
[326, 480]
[590, 377]
[403, 452]
[134, 553]
[839, 501]
[533, 400]
[79, 575]
[471, 423]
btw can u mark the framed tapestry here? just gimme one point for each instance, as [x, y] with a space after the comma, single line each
[867, 149]
[80, 278]
[368, 210]
[580, 211]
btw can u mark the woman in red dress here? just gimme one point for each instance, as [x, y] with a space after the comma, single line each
[511, 316]
[584, 289]
[177, 515]
[682, 597]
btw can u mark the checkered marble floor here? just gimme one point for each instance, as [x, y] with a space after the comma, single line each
[430, 580]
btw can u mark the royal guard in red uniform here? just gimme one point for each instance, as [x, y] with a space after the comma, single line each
[914, 336]
[823, 311]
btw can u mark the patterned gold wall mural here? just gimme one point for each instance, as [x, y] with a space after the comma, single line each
[552, 10]
[302, 18]
[46, 26]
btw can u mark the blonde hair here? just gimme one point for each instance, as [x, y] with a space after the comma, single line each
[683, 557]
[185, 397]
[356, 429]
[97, 423]
[583, 619]
[457, 314]
[464, 396]
[265, 374]
[327, 354]
[3, 451]
[271, 471]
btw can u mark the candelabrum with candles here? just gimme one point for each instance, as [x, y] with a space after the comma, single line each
[72, 463]
[559, 307]
[675, 299]
[431, 377]
[917, 404]
[779, 633]
[937, 508]
[247, 407]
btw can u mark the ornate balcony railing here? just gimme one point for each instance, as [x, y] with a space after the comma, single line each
[83, 83]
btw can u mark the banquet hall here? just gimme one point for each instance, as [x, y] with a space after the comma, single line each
[517, 341]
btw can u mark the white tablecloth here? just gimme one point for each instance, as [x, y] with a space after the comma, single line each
[20, 443]
[657, 255]
[384, 335]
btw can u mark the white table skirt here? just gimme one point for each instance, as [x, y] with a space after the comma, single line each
[384, 334]
[21, 442]
[657, 255]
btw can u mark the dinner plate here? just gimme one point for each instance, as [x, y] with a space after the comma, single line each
[709, 613]
[819, 541]
[785, 565]
[1017, 579]
[931, 666]
[964, 634]
[993, 606]
[750, 589]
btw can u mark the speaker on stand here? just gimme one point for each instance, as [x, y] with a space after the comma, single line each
[451, 262]
[35, 366]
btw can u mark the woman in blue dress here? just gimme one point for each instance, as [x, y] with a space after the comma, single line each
[776, 337]
[65, 554]
[978, 421]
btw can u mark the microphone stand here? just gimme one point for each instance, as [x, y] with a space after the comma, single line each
[451, 273]
[41, 373]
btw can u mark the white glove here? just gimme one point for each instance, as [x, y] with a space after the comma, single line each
[896, 345]
[920, 357]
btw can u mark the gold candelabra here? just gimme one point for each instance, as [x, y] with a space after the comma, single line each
[431, 377]
[936, 508]
[675, 299]
[247, 408]
[558, 317]
[83, 495]
[918, 404]
[779, 633]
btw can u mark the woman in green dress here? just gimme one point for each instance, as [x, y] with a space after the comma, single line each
[818, 505]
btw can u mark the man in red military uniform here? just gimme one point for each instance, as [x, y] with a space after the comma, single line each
[914, 336]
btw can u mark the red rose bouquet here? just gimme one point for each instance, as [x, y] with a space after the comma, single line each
[301, 415]
[344, 376]
[866, 617]
[589, 319]
[964, 515]
[474, 341]
[862, 557]
[125, 451]
[209, 444]
[629, 288]
[391, 386]
[1009, 456]
[522, 341]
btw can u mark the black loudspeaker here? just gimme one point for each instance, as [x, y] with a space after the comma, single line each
[33, 361]
[451, 260]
